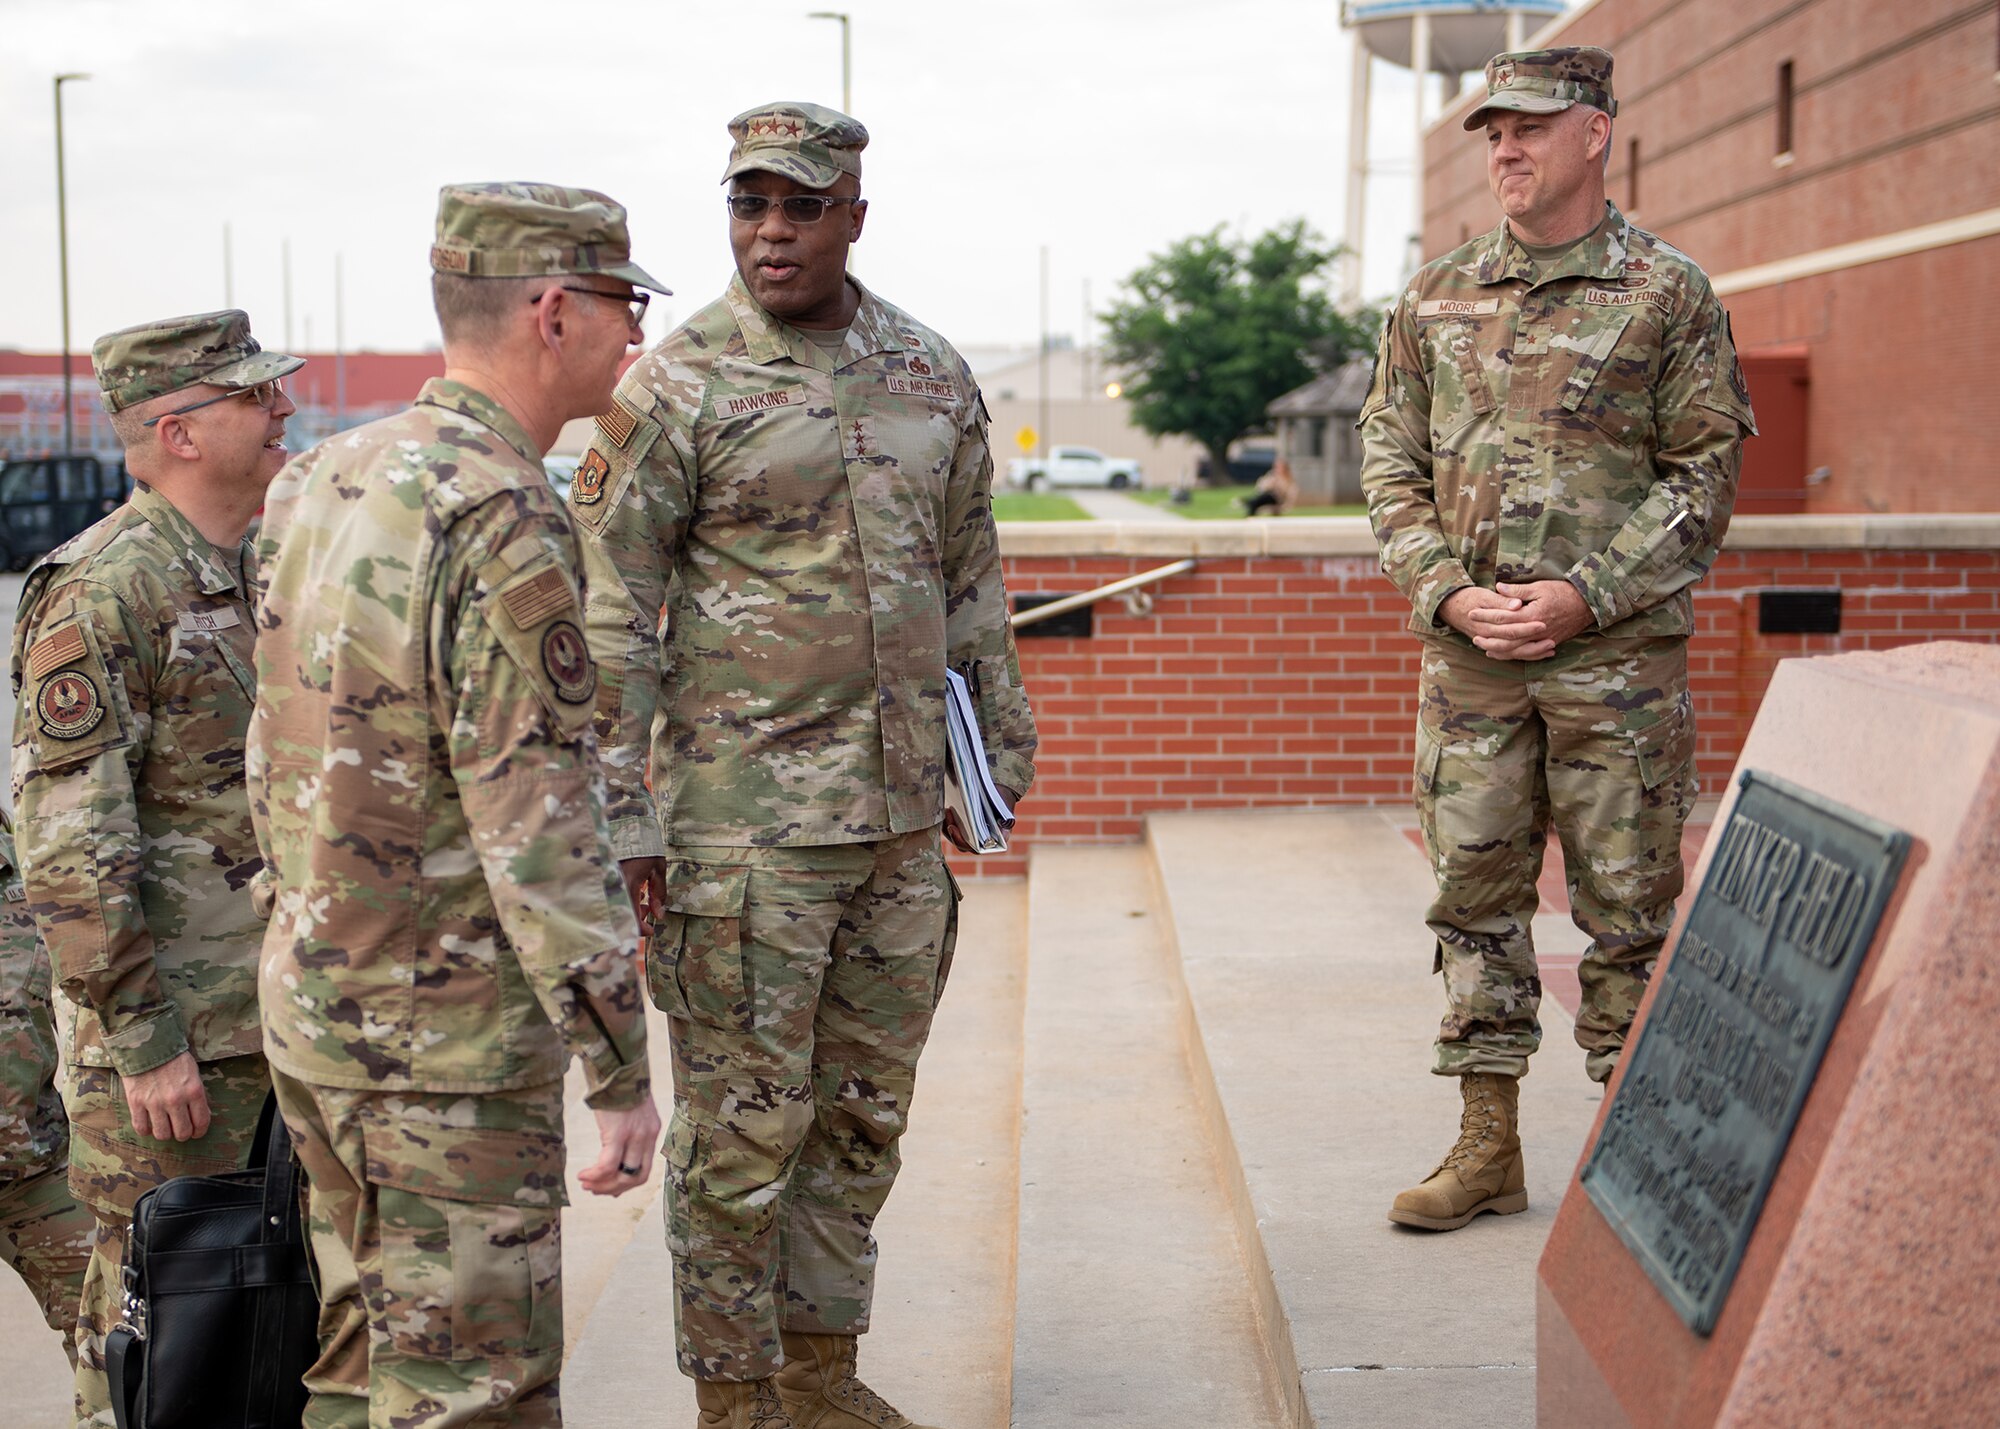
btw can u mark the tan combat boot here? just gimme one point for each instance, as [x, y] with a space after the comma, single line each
[1483, 1172]
[745, 1404]
[821, 1390]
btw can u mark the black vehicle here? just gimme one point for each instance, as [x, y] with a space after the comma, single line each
[45, 500]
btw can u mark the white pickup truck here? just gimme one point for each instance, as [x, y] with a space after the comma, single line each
[1074, 466]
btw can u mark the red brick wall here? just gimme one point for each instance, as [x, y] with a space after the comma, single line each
[1287, 681]
[1904, 373]
[1896, 118]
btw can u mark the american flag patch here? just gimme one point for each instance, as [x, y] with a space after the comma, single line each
[617, 424]
[65, 647]
[538, 598]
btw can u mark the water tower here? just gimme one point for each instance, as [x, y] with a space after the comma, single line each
[1431, 37]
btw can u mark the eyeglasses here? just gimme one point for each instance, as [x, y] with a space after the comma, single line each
[634, 302]
[264, 394]
[797, 208]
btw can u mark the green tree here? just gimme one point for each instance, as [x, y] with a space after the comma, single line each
[1216, 327]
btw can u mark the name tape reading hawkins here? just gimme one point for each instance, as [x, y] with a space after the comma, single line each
[1781, 922]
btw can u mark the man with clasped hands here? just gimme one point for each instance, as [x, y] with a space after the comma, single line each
[1551, 446]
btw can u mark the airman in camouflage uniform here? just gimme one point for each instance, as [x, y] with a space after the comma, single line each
[132, 673]
[450, 925]
[1551, 451]
[45, 1233]
[788, 519]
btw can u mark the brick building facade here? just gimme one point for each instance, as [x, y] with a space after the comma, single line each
[1832, 165]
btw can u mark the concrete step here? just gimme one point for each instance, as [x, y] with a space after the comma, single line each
[941, 1345]
[1307, 971]
[1133, 1302]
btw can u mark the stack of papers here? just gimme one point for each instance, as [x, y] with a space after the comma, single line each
[970, 795]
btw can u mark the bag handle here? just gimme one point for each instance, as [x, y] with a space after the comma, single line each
[273, 1148]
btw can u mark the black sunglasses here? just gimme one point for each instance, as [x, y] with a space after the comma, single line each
[797, 208]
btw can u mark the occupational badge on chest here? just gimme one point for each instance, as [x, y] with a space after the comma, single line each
[588, 484]
[69, 706]
[567, 660]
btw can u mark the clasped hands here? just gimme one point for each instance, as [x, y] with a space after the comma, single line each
[1517, 622]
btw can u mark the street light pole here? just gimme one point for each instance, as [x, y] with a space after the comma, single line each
[846, 75]
[846, 57]
[62, 245]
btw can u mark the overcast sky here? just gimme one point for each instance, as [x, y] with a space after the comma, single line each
[1104, 129]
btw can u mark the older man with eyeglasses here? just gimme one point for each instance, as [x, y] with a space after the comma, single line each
[132, 670]
[450, 926]
[800, 476]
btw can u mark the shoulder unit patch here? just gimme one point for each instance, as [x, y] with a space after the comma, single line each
[566, 660]
[69, 705]
[587, 486]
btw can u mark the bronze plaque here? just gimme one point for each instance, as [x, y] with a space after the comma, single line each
[1784, 916]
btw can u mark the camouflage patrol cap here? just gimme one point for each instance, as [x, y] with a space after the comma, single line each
[1547, 82]
[136, 364]
[534, 231]
[807, 142]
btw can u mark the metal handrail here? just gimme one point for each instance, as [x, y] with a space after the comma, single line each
[1091, 597]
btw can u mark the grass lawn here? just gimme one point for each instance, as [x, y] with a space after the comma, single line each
[1036, 506]
[1224, 503]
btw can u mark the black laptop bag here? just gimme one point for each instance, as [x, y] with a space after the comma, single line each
[221, 1318]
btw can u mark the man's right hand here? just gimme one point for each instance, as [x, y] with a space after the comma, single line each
[1467, 609]
[629, 1139]
[646, 886]
[169, 1103]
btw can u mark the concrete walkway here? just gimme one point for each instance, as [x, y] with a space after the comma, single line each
[1134, 1306]
[1171, 1092]
[1311, 1001]
[941, 1345]
[1116, 506]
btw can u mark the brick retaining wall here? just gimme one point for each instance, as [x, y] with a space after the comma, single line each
[1279, 673]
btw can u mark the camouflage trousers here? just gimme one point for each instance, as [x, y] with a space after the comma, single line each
[46, 1237]
[436, 1228]
[799, 984]
[1598, 741]
[111, 1166]
[44, 1234]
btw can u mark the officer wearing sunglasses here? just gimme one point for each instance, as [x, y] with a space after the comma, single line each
[801, 475]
